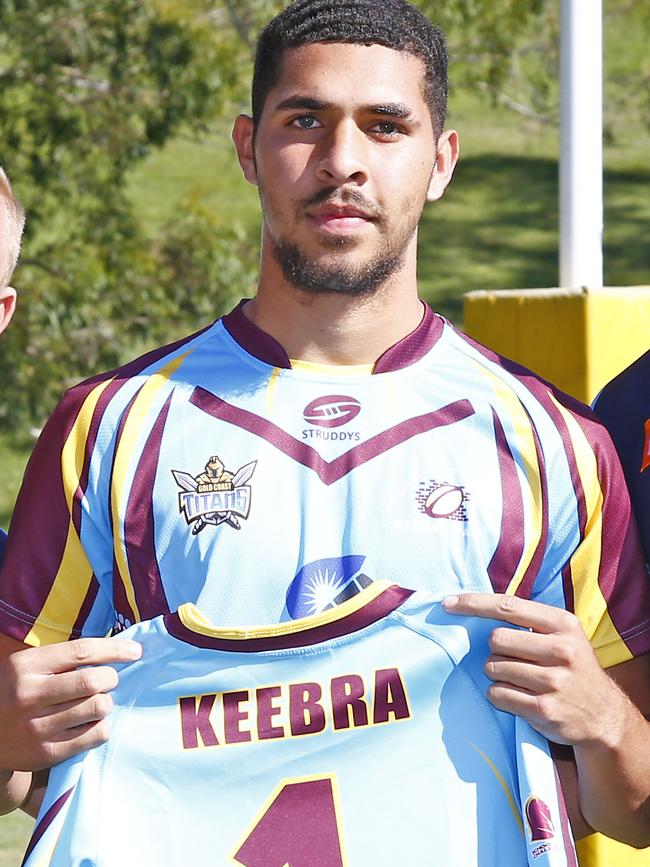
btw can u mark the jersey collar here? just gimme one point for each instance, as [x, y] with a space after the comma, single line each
[265, 348]
[369, 606]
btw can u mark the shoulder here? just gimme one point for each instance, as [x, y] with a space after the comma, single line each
[627, 390]
[90, 398]
[547, 406]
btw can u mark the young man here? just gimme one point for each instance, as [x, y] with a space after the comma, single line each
[12, 221]
[328, 433]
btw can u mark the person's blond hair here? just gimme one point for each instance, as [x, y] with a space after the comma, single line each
[12, 222]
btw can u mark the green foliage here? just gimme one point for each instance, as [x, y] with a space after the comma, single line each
[100, 82]
[486, 37]
[198, 253]
[87, 88]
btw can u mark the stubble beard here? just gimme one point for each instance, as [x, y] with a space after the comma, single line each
[317, 277]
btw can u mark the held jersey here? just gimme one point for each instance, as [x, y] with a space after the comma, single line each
[624, 407]
[361, 736]
[218, 471]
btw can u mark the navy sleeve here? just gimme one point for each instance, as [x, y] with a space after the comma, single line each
[624, 407]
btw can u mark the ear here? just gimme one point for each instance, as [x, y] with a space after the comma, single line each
[446, 159]
[242, 135]
[7, 306]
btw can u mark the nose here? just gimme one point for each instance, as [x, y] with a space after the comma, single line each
[344, 155]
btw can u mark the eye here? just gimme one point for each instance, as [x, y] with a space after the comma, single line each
[305, 121]
[387, 129]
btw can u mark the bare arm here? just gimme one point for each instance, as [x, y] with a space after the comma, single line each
[627, 762]
[52, 707]
[548, 674]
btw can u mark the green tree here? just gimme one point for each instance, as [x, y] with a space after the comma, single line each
[488, 39]
[87, 88]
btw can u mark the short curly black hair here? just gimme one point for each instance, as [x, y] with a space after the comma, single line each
[395, 24]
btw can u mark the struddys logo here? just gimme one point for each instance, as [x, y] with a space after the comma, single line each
[330, 412]
[323, 584]
[216, 496]
[442, 500]
[540, 826]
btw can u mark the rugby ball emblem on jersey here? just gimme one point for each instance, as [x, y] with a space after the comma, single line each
[333, 410]
[443, 500]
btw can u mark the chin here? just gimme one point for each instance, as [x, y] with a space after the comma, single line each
[338, 270]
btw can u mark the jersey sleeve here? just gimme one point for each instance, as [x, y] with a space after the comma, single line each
[604, 578]
[48, 588]
[624, 407]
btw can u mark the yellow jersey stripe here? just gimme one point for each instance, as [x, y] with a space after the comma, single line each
[65, 599]
[123, 455]
[506, 789]
[332, 369]
[590, 605]
[272, 388]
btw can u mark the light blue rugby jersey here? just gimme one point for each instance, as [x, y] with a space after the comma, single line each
[361, 736]
[218, 471]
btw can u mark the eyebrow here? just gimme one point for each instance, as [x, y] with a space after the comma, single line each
[391, 109]
[310, 103]
[306, 102]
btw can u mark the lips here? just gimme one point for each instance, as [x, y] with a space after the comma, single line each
[344, 217]
[334, 212]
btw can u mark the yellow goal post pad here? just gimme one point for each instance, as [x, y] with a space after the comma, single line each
[578, 339]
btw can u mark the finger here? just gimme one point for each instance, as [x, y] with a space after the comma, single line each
[70, 686]
[544, 649]
[70, 743]
[512, 609]
[535, 679]
[71, 716]
[68, 655]
[515, 700]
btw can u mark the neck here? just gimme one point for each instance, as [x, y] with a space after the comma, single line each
[335, 328]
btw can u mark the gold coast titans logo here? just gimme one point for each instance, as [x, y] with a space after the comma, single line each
[216, 496]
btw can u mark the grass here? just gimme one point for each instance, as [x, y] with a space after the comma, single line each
[189, 169]
[13, 458]
[498, 229]
[14, 835]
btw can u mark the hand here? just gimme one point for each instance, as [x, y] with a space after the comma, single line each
[50, 708]
[547, 673]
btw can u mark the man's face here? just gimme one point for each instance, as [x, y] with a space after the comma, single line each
[344, 156]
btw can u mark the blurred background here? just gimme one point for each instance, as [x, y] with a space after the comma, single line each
[115, 120]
